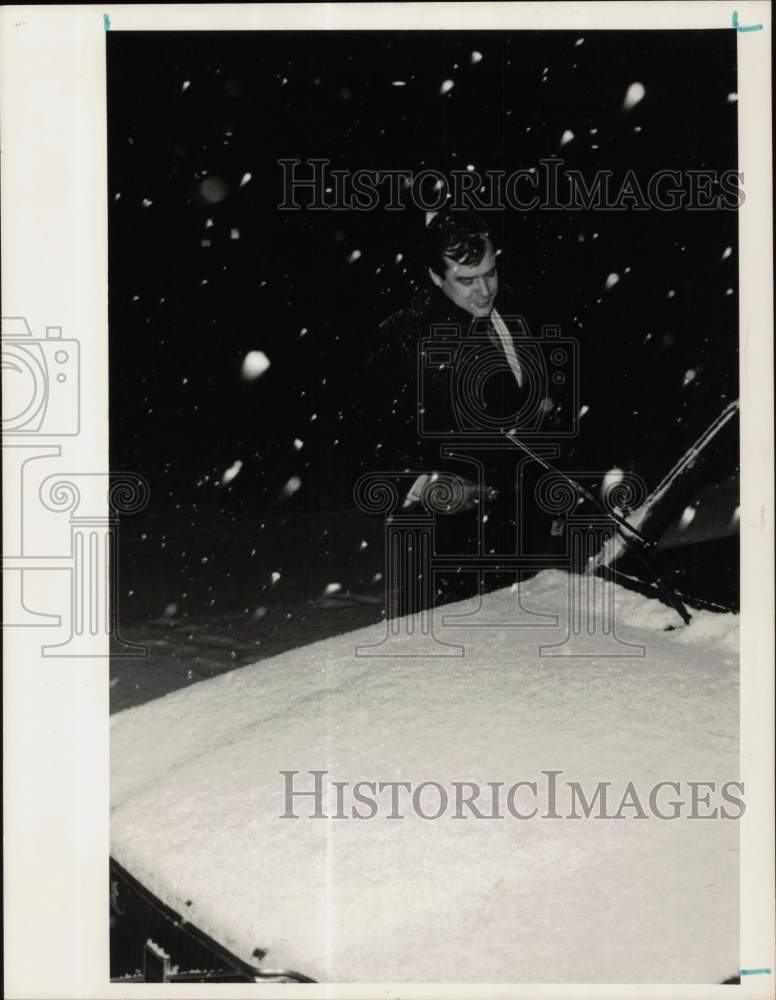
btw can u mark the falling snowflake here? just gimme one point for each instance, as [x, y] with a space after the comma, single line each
[583, 410]
[726, 253]
[688, 516]
[213, 190]
[611, 281]
[475, 57]
[231, 472]
[332, 588]
[689, 375]
[399, 83]
[186, 85]
[578, 42]
[275, 577]
[291, 486]
[363, 545]
[147, 203]
[255, 363]
[567, 136]
[732, 97]
[234, 234]
[245, 179]
[354, 256]
[447, 86]
[634, 94]
[612, 478]
[298, 444]
[171, 610]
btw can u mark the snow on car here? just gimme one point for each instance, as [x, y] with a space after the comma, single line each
[205, 781]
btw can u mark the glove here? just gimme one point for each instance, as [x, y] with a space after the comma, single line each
[470, 498]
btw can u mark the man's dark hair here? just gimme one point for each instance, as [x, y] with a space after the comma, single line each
[460, 235]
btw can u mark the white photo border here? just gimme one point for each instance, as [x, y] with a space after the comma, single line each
[53, 120]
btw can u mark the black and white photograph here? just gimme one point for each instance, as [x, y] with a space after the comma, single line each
[415, 533]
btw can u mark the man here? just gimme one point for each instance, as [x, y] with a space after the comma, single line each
[414, 405]
[462, 293]
[462, 263]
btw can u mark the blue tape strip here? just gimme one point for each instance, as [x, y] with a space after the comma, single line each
[749, 27]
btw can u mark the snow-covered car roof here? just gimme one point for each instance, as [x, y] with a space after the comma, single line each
[198, 797]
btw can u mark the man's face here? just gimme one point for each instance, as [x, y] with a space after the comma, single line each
[471, 288]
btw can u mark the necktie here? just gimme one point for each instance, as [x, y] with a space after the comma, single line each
[501, 336]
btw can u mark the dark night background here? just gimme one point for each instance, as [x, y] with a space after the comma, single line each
[188, 300]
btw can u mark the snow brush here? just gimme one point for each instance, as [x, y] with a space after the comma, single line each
[617, 544]
[642, 546]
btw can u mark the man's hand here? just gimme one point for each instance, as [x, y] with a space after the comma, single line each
[465, 495]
